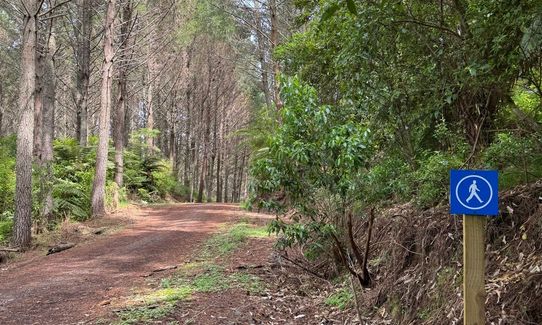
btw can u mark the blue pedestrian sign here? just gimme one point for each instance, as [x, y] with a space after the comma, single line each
[474, 192]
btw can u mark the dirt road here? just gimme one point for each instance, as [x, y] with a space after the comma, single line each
[68, 287]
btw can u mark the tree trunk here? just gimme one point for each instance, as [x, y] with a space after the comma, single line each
[83, 32]
[38, 99]
[150, 113]
[226, 178]
[98, 187]
[261, 54]
[241, 176]
[1, 110]
[186, 172]
[25, 132]
[274, 43]
[48, 118]
[173, 141]
[201, 180]
[150, 85]
[218, 179]
[120, 115]
[235, 175]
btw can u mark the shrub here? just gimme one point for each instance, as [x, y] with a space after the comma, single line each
[432, 177]
[340, 299]
[518, 158]
[6, 223]
[7, 174]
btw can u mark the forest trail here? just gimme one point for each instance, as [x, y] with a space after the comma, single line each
[70, 287]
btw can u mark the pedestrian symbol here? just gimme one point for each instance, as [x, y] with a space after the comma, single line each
[473, 189]
[474, 192]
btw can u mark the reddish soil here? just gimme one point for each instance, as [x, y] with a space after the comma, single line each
[74, 286]
[290, 295]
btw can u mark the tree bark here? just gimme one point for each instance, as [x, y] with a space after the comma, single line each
[48, 118]
[274, 43]
[98, 187]
[38, 98]
[25, 132]
[218, 179]
[1, 111]
[226, 178]
[235, 175]
[261, 55]
[83, 32]
[241, 176]
[120, 115]
[205, 165]
[172, 145]
[150, 84]
[188, 142]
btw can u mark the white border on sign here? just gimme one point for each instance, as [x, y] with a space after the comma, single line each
[473, 176]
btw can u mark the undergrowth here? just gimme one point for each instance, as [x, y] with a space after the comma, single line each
[341, 299]
[148, 178]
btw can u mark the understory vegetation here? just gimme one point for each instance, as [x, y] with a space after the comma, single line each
[380, 101]
[148, 178]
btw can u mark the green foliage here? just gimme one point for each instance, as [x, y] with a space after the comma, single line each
[382, 100]
[144, 314]
[519, 158]
[208, 19]
[7, 175]
[227, 242]
[6, 224]
[251, 283]
[73, 175]
[147, 175]
[317, 149]
[383, 104]
[212, 280]
[340, 299]
[71, 199]
[433, 177]
[171, 294]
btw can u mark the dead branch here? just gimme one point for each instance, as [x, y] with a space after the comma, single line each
[59, 248]
[8, 249]
[304, 268]
[165, 268]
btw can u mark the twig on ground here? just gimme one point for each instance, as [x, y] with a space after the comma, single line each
[8, 249]
[304, 268]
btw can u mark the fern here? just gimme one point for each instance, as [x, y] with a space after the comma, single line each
[71, 199]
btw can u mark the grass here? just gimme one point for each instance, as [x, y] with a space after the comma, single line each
[226, 242]
[172, 294]
[340, 299]
[251, 283]
[202, 276]
[144, 314]
[212, 279]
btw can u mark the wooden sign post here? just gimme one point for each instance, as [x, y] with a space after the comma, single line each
[474, 269]
[474, 193]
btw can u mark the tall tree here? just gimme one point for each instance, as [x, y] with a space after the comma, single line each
[47, 118]
[98, 187]
[25, 141]
[151, 66]
[120, 116]
[83, 32]
[274, 44]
